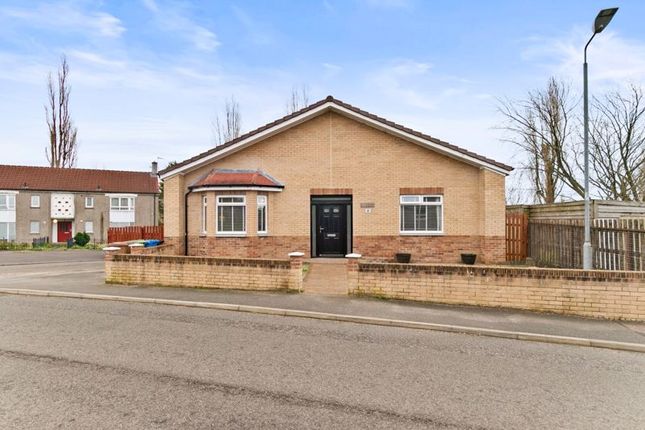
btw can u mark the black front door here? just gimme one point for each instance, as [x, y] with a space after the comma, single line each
[331, 229]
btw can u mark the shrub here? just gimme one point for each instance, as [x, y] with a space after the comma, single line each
[81, 238]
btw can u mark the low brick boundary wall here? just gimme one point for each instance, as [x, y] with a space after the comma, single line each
[598, 294]
[204, 272]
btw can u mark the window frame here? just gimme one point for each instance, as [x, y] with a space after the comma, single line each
[9, 197]
[421, 202]
[31, 201]
[91, 206]
[219, 204]
[31, 224]
[85, 227]
[265, 213]
[119, 207]
[204, 212]
[9, 230]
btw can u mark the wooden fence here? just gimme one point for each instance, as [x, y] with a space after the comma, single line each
[618, 244]
[122, 234]
[517, 224]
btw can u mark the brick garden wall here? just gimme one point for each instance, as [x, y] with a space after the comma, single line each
[204, 272]
[598, 294]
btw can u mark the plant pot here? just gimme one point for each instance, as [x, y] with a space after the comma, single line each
[468, 258]
[402, 257]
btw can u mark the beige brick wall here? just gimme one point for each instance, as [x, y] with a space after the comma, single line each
[598, 294]
[204, 272]
[332, 151]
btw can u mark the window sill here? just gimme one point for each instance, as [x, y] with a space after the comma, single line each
[230, 235]
[264, 234]
[421, 233]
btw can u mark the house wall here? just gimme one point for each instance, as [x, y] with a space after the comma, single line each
[334, 152]
[146, 213]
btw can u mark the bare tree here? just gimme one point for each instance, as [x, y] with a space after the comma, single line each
[298, 99]
[62, 148]
[617, 145]
[541, 126]
[229, 128]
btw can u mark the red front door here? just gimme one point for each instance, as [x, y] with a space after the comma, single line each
[64, 231]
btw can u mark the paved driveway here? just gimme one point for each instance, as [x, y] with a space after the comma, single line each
[12, 258]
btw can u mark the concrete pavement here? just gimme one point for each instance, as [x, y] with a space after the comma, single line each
[94, 364]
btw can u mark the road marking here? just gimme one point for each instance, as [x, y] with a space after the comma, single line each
[533, 337]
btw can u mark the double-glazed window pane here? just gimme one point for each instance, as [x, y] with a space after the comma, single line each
[421, 214]
[7, 231]
[231, 215]
[262, 214]
[7, 202]
[230, 218]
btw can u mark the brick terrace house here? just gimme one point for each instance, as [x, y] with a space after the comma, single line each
[57, 203]
[332, 179]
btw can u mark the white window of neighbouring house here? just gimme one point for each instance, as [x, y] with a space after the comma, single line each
[35, 201]
[231, 215]
[122, 210]
[89, 227]
[121, 203]
[7, 202]
[262, 214]
[204, 214]
[34, 227]
[8, 231]
[89, 202]
[421, 214]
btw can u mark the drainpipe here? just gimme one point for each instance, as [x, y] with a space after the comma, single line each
[186, 222]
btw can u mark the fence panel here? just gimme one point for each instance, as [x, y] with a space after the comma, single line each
[516, 236]
[136, 232]
[618, 244]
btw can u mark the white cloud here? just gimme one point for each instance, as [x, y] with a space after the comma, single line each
[65, 17]
[402, 80]
[174, 18]
[613, 59]
[331, 70]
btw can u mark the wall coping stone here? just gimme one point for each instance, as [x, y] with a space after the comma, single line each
[353, 255]
[296, 254]
[214, 261]
[505, 271]
[111, 248]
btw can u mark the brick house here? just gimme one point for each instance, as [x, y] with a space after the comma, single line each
[332, 179]
[57, 203]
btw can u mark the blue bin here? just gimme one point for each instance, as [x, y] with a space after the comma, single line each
[151, 242]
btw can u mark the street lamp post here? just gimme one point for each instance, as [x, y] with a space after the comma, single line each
[601, 21]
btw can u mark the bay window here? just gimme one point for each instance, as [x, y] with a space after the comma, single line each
[421, 214]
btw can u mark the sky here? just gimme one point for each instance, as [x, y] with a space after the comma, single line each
[148, 77]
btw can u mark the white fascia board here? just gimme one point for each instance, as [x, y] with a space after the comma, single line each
[200, 189]
[9, 192]
[346, 112]
[120, 195]
[248, 141]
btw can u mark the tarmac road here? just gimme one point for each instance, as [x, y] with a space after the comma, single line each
[68, 363]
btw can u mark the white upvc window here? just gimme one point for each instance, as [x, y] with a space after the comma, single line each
[89, 227]
[204, 214]
[7, 202]
[262, 214]
[35, 201]
[121, 203]
[8, 231]
[421, 214]
[231, 215]
[34, 227]
[89, 202]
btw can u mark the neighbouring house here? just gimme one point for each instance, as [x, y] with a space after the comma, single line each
[57, 203]
[332, 179]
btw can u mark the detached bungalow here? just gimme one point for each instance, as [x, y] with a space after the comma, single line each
[332, 179]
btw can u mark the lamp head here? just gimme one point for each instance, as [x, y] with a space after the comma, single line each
[603, 19]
